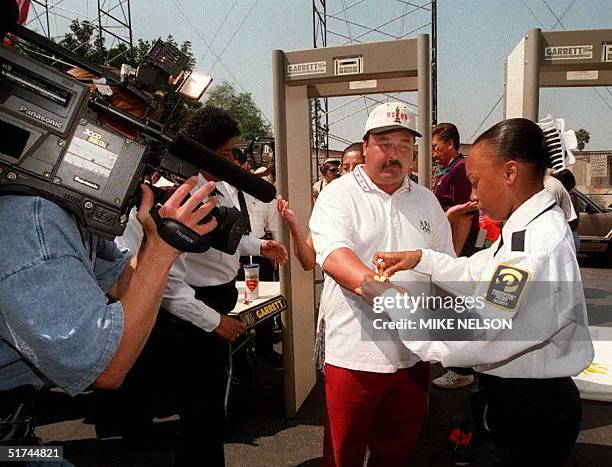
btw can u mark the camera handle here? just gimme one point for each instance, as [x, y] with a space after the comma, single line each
[178, 235]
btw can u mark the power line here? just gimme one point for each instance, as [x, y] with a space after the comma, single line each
[532, 13]
[234, 35]
[201, 36]
[219, 29]
[569, 7]
[487, 116]
[602, 98]
[418, 7]
[553, 13]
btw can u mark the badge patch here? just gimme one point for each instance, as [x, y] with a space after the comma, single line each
[507, 286]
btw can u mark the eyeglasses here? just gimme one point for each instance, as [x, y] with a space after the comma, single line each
[333, 169]
[400, 148]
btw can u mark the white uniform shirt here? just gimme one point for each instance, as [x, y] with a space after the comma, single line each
[198, 269]
[536, 247]
[264, 217]
[561, 195]
[354, 213]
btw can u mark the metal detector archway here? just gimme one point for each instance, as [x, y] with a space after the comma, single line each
[562, 59]
[395, 66]
[555, 59]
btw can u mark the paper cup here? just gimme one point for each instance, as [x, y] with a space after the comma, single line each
[251, 280]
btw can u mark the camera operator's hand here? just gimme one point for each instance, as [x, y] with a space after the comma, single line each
[187, 213]
[274, 251]
[229, 328]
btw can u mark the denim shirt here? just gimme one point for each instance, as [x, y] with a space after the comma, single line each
[56, 326]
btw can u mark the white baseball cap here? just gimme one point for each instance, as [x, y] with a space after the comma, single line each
[391, 116]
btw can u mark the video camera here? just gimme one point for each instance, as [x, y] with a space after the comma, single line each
[58, 140]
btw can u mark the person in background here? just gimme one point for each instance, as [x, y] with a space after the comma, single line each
[554, 186]
[567, 179]
[452, 188]
[193, 327]
[352, 156]
[241, 159]
[329, 169]
[265, 224]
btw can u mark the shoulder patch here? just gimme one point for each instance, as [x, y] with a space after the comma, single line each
[507, 286]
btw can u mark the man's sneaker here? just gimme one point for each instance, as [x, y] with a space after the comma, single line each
[452, 380]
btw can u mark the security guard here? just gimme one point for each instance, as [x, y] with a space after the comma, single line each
[526, 406]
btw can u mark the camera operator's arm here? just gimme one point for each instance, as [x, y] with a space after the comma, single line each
[131, 240]
[143, 295]
[55, 314]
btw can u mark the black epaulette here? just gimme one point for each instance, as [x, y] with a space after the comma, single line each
[518, 240]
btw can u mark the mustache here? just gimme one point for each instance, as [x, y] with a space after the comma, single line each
[392, 163]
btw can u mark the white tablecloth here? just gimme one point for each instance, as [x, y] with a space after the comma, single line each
[595, 383]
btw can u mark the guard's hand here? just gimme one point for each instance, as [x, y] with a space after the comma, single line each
[229, 328]
[286, 213]
[274, 251]
[370, 288]
[389, 263]
[186, 212]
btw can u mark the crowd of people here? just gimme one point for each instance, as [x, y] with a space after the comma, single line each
[117, 316]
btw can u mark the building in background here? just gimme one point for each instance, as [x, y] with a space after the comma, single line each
[593, 172]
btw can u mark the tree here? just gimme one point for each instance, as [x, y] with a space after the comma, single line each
[583, 138]
[242, 108]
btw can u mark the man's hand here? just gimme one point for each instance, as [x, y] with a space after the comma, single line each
[460, 218]
[461, 210]
[186, 212]
[389, 263]
[229, 328]
[274, 251]
[371, 288]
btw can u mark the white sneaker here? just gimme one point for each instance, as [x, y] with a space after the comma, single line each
[452, 380]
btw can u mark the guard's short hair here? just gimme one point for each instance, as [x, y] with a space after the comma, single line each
[517, 139]
[211, 126]
[447, 132]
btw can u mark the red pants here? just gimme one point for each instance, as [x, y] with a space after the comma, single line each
[382, 411]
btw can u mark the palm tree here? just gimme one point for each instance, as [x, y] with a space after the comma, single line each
[583, 138]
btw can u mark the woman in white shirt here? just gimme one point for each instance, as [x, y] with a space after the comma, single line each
[526, 406]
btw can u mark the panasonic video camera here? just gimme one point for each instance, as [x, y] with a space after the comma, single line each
[58, 140]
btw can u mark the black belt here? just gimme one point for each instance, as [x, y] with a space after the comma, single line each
[221, 298]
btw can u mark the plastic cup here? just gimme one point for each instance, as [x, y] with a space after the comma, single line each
[251, 280]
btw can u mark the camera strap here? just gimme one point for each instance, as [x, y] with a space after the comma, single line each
[90, 242]
[178, 235]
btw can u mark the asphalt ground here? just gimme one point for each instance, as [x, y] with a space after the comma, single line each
[260, 434]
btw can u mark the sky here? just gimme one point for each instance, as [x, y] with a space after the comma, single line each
[474, 39]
